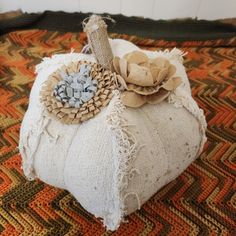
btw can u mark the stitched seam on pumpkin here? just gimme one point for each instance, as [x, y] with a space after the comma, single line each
[191, 106]
[38, 128]
[66, 154]
[125, 150]
[180, 99]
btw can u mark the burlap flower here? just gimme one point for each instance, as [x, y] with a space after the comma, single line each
[144, 80]
[90, 106]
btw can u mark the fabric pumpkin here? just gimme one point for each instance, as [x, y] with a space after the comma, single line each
[115, 161]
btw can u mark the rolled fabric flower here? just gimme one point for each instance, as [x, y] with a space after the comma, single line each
[77, 92]
[144, 80]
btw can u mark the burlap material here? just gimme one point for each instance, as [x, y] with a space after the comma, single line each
[145, 80]
[71, 115]
[96, 30]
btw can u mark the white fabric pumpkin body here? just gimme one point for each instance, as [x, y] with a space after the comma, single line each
[114, 162]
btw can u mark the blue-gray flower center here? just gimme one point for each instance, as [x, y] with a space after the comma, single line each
[76, 88]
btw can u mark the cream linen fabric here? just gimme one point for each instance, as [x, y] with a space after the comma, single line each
[115, 162]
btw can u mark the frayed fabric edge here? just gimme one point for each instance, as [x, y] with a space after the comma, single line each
[61, 60]
[125, 148]
[179, 98]
[175, 54]
[28, 152]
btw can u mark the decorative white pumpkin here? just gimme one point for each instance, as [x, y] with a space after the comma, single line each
[114, 162]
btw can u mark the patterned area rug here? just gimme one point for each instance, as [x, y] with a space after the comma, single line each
[202, 201]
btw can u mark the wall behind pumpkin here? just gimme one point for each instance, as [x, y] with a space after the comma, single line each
[155, 9]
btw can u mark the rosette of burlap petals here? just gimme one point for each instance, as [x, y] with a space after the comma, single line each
[144, 80]
[105, 80]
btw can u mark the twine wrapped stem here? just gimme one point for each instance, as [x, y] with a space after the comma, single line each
[96, 30]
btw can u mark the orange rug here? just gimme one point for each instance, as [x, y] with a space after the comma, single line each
[202, 201]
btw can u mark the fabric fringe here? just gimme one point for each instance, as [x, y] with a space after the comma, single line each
[28, 152]
[61, 60]
[174, 54]
[125, 150]
[182, 99]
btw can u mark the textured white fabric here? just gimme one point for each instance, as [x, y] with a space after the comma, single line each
[116, 161]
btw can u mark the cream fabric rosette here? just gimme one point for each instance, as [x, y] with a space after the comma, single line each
[144, 80]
